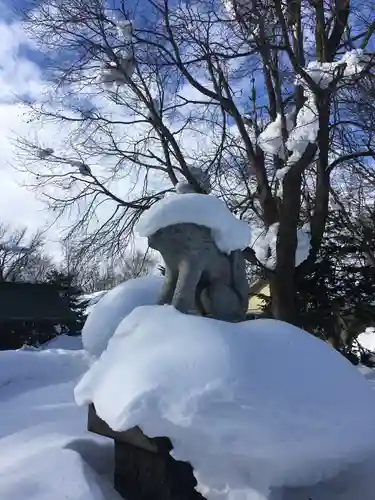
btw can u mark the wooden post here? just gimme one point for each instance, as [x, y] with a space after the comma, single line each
[144, 469]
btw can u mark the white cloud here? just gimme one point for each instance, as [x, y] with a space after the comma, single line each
[22, 78]
[19, 76]
[18, 205]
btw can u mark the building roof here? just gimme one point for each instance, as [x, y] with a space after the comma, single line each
[33, 301]
[257, 286]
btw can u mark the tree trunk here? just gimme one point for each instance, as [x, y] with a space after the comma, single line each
[283, 299]
[283, 282]
[282, 287]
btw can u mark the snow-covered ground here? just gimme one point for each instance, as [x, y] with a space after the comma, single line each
[257, 403]
[45, 451]
[64, 342]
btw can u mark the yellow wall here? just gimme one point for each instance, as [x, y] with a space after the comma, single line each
[255, 302]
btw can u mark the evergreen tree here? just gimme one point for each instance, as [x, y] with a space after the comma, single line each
[73, 295]
[336, 299]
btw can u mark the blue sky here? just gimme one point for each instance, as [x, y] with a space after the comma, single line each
[21, 73]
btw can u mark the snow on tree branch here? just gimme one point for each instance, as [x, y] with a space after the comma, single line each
[264, 244]
[306, 127]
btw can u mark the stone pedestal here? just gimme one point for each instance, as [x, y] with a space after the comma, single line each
[144, 469]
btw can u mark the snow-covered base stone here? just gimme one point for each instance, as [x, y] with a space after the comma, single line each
[252, 406]
[114, 306]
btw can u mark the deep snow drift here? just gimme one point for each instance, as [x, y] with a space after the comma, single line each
[114, 306]
[252, 406]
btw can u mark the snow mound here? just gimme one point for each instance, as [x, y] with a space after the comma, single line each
[251, 405]
[367, 338]
[114, 306]
[205, 210]
[67, 342]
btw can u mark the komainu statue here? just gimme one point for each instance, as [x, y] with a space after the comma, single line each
[199, 278]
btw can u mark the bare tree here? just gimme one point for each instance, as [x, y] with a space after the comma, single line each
[112, 273]
[135, 265]
[37, 268]
[21, 257]
[263, 96]
[94, 273]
